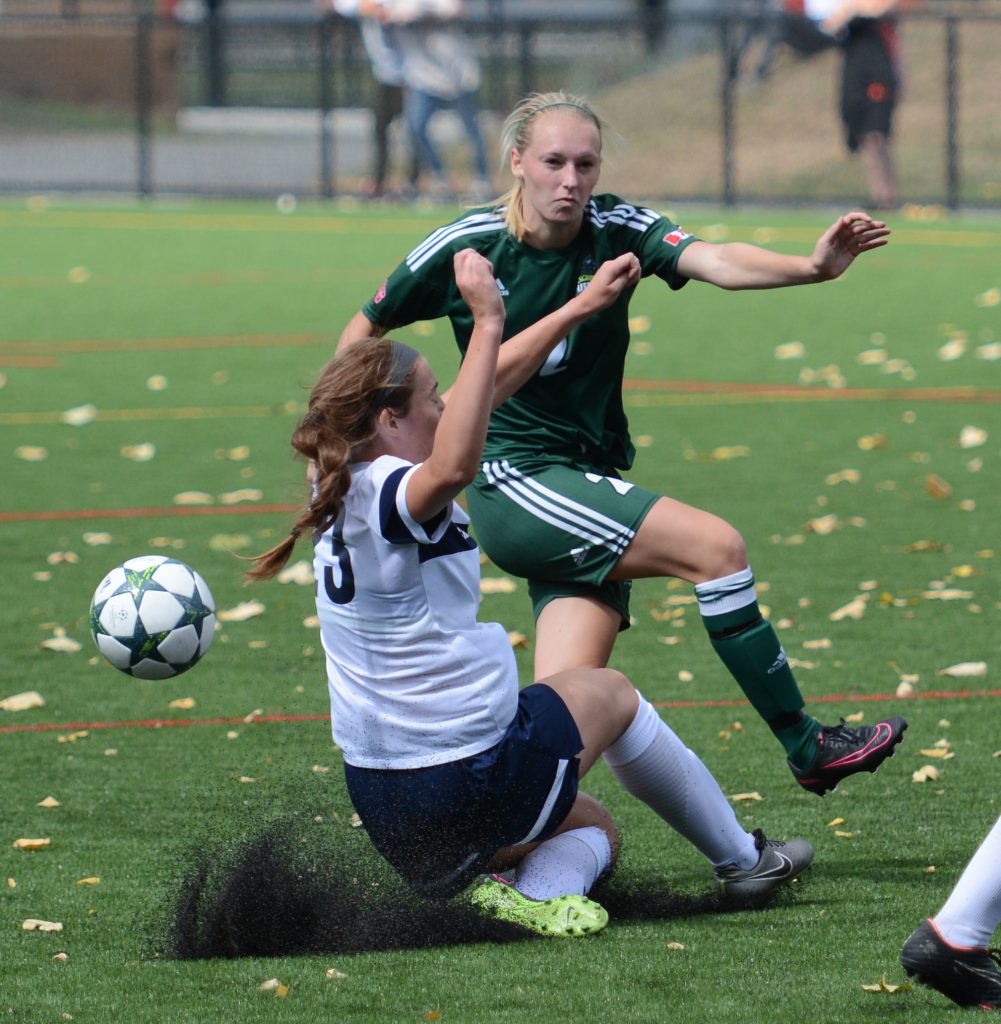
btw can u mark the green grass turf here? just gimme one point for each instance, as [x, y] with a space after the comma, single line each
[138, 805]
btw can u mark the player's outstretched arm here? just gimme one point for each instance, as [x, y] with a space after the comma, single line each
[358, 328]
[523, 354]
[737, 265]
[462, 429]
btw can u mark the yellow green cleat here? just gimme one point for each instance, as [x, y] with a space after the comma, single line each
[558, 917]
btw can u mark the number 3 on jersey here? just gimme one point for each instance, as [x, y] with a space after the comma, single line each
[344, 591]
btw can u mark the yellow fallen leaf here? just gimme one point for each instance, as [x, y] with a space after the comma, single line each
[925, 773]
[79, 416]
[843, 835]
[885, 987]
[241, 612]
[643, 440]
[905, 688]
[49, 801]
[870, 441]
[301, 573]
[790, 350]
[34, 925]
[355, 821]
[246, 778]
[855, 609]
[846, 476]
[991, 297]
[947, 594]
[31, 844]
[245, 494]
[964, 669]
[333, 973]
[518, 640]
[972, 437]
[991, 351]
[90, 880]
[63, 644]
[229, 542]
[940, 752]
[725, 452]
[256, 713]
[183, 703]
[953, 349]
[835, 821]
[61, 957]
[97, 539]
[669, 641]
[685, 676]
[144, 452]
[72, 737]
[937, 488]
[23, 701]
[822, 525]
[497, 585]
[59, 557]
[742, 797]
[871, 357]
[11, 883]
[42, 577]
[193, 498]
[817, 645]
[31, 453]
[320, 769]
[639, 325]
[271, 985]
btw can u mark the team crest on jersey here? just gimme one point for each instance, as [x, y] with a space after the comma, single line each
[676, 237]
[381, 293]
[587, 270]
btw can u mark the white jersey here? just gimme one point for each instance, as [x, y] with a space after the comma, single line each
[414, 679]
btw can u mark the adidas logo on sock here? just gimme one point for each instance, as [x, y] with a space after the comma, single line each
[780, 662]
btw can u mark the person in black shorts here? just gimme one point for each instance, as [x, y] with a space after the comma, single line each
[870, 87]
[453, 770]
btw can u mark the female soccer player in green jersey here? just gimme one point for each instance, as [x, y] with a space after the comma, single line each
[549, 504]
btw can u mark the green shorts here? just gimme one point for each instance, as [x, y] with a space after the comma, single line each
[561, 528]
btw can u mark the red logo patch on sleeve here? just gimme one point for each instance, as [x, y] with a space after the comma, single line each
[380, 294]
[676, 236]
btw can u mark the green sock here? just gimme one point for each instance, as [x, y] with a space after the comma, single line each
[749, 648]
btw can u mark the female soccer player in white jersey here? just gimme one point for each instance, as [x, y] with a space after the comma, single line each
[548, 503]
[454, 771]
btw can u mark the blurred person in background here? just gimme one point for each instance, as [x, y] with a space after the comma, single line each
[866, 33]
[440, 72]
[384, 55]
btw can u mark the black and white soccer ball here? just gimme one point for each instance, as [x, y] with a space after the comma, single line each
[152, 617]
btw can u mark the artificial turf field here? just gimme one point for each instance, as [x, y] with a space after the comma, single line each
[850, 431]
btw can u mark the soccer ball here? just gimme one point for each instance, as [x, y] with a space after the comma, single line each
[152, 617]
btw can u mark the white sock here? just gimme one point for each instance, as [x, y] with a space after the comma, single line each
[656, 767]
[569, 863]
[973, 910]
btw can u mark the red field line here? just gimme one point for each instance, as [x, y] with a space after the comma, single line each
[159, 723]
[61, 515]
[808, 394]
[86, 345]
[28, 362]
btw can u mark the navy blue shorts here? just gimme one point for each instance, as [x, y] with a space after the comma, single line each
[439, 827]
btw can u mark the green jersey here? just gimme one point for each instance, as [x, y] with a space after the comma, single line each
[571, 408]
